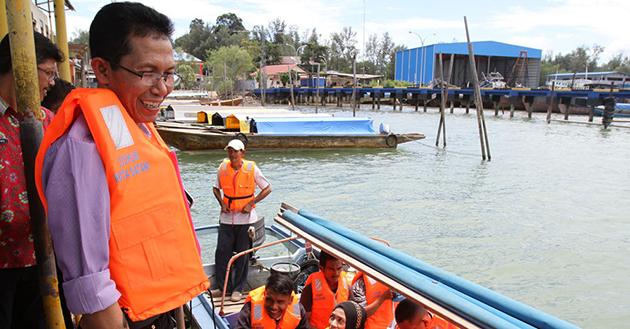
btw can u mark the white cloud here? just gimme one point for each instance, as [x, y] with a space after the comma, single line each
[574, 22]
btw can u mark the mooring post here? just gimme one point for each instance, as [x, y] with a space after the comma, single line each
[24, 70]
[452, 106]
[591, 109]
[373, 99]
[424, 103]
[511, 110]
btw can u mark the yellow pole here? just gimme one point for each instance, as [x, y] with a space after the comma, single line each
[62, 39]
[4, 27]
[27, 95]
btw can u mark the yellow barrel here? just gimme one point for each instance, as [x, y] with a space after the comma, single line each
[202, 117]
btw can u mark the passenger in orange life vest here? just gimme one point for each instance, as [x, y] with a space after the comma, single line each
[273, 305]
[376, 298]
[116, 207]
[237, 178]
[323, 290]
[410, 315]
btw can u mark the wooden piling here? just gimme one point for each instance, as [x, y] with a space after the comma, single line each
[444, 95]
[511, 110]
[591, 110]
[550, 101]
[481, 122]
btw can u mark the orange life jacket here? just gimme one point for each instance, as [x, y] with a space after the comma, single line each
[261, 320]
[384, 315]
[438, 322]
[238, 185]
[324, 300]
[153, 255]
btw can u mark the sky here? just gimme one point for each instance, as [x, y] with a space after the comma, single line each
[556, 26]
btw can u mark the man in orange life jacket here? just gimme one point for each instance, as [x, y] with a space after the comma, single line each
[237, 178]
[410, 315]
[323, 290]
[376, 298]
[121, 227]
[273, 305]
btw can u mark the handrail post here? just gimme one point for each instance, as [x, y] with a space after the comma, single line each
[27, 93]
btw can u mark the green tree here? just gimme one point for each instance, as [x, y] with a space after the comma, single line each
[198, 40]
[618, 63]
[342, 49]
[313, 51]
[187, 75]
[81, 37]
[228, 65]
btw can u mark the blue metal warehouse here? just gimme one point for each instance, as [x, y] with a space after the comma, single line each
[519, 65]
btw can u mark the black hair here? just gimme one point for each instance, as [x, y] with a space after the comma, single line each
[406, 310]
[116, 22]
[280, 283]
[56, 94]
[324, 257]
[44, 50]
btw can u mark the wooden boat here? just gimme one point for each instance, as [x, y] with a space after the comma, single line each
[202, 137]
[291, 249]
[226, 102]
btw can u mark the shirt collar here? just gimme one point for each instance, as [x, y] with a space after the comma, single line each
[3, 106]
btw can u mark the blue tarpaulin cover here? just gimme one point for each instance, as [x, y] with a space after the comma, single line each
[321, 126]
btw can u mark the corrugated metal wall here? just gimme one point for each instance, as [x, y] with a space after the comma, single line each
[502, 59]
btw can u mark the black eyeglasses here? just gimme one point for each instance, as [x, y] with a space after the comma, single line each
[152, 78]
[50, 75]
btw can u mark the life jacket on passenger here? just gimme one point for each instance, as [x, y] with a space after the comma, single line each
[153, 254]
[324, 300]
[238, 185]
[438, 322]
[261, 320]
[384, 315]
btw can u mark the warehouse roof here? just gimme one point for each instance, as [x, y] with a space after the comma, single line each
[484, 48]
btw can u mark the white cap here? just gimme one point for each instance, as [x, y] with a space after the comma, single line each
[236, 144]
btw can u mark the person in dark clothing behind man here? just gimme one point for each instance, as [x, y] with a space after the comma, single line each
[20, 300]
[273, 305]
[56, 94]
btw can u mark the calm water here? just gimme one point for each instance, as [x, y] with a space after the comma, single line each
[545, 222]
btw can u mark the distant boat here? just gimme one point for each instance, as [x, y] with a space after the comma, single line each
[225, 102]
[622, 110]
[188, 137]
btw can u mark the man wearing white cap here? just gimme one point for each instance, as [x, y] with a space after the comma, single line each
[237, 178]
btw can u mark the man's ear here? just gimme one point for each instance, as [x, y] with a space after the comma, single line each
[102, 70]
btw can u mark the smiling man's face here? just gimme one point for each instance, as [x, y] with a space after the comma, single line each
[149, 54]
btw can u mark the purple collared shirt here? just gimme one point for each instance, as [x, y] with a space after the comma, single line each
[76, 189]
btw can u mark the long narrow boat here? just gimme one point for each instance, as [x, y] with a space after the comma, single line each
[188, 137]
[456, 300]
[224, 102]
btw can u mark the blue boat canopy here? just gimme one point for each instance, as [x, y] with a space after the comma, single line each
[313, 126]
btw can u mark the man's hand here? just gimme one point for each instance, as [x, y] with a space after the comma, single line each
[111, 317]
[248, 208]
[224, 207]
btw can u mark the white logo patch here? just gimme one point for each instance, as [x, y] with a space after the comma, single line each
[117, 127]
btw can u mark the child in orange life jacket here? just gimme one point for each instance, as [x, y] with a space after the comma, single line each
[323, 290]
